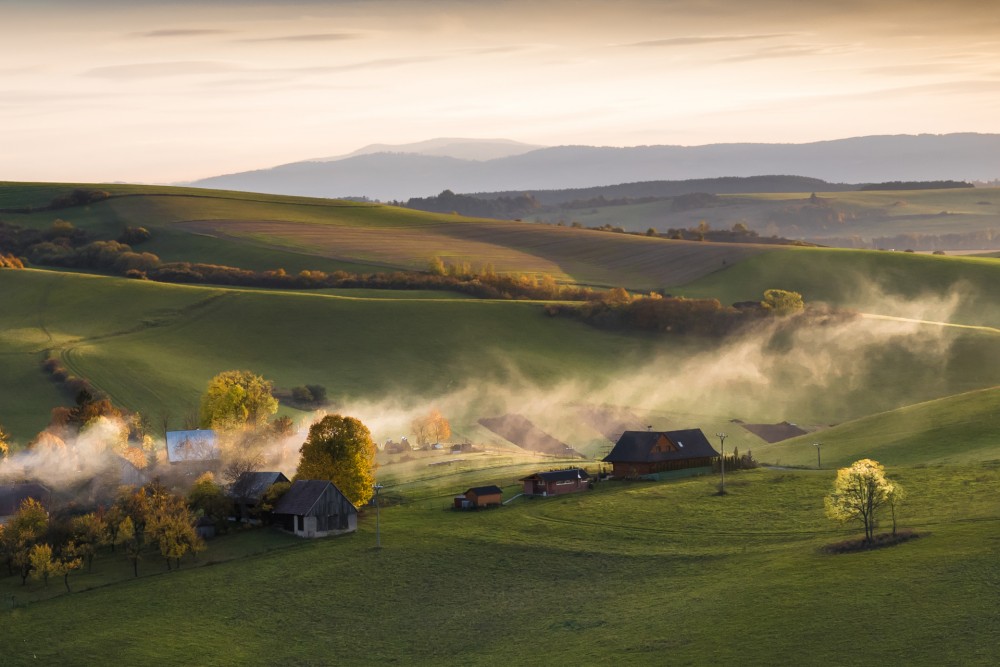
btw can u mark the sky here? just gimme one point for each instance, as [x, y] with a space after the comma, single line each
[109, 90]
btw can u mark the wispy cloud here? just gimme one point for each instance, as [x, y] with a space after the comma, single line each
[702, 39]
[317, 37]
[182, 32]
[159, 70]
[378, 63]
[786, 51]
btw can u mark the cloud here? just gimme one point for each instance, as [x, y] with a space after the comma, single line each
[159, 70]
[181, 32]
[705, 39]
[317, 37]
[378, 63]
[786, 51]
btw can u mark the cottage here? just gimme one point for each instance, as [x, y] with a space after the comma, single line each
[639, 453]
[249, 489]
[479, 496]
[12, 495]
[315, 508]
[556, 482]
[198, 446]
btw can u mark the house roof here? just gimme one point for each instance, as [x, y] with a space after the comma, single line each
[197, 445]
[484, 490]
[12, 495]
[253, 485]
[559, 475]
[303, 496]
[653, 446]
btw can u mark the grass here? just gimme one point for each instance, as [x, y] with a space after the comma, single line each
[637, 573]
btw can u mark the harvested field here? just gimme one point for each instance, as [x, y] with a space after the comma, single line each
[774, 432]
[519, 430]
[611, 421]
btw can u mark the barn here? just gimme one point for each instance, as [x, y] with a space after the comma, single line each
[645, 453]
[192, 447]
[556, 482]
[479, 496]
[249, 489]
[315, 508]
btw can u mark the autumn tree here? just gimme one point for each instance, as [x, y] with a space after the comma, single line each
[341, 450]
[209, 499]
[782, 302]
[431, 428]
[4, 443]
[24, 530]
[170, 526]
[859, 492]
[235, 399]
[90, 531]
[40, 558]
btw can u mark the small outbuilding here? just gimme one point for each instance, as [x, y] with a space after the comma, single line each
[480, 496]
[645, 453]
[249, 489]
[315, 508]
[556, 482]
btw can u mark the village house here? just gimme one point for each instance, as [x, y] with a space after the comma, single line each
[249, 489]
[12, 495]
[315, 508]
[195, 447]
[479, 496]
[556, 482]
[645, 453]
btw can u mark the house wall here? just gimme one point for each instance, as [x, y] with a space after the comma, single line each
[484, 500]
[633, 469]
[567, 486]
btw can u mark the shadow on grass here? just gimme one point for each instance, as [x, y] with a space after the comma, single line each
[879, 542]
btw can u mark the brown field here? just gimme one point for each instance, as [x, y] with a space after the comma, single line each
[573, 255]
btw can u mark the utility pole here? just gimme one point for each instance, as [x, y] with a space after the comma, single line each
[819, 462]
[378, 536]
[722, 438]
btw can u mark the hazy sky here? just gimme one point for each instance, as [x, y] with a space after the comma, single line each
[165, 91]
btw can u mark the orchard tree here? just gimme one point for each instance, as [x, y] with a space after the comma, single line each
[431, 428]
[236, 399]
[90, 531]
[4, 443]
[859, 492]
[24, 530]
[341, 450]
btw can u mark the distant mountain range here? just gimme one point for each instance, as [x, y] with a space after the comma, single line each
[386, 172]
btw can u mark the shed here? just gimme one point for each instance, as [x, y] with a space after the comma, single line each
[556, 482]
[315, 508]
[200, 445]
[479, 496]
[12, 495]
[249, 489]
[640, 453]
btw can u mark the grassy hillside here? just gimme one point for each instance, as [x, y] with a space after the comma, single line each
[629, 573]
[955, 429]
[866, 214]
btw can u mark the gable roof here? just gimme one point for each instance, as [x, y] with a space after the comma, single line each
[253, 485]
[197, 445]
[652, 446]
[303, 496]
[12, 495]
[484, 490]
[559, 475]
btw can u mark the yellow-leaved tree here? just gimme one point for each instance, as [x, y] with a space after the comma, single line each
[431, 428]
[341, 450]
[859, 492]
[235, 399]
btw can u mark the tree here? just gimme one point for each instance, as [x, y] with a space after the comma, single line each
[431, 428]
[90, 531]
[22, 533]
[341, 450]
[782, 302]
[896, 496]
[4, 443]
[40, 558]
[235, 399]
[859, 492]
[171, 527]
[210, 500]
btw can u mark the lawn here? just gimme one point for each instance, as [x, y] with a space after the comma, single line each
[643, 573]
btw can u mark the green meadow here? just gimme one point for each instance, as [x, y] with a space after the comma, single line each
[641, 573]
[631, 573]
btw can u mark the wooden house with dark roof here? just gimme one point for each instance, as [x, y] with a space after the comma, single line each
[556, 482]
[479, 496]
[639, 453]
[249, 489]
[12, 495]
[315, 508]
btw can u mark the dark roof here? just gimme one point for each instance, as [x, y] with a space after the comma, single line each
[484, 490]
[640, 446]
[303, 495]
[12, 495]
[775, 432]
[559, 475]
[253, 485]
